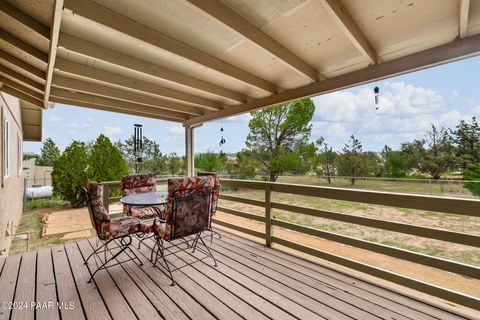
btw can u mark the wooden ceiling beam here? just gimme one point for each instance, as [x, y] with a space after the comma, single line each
[463, 13]
[345, 22]
[96, 89]
[21, 92]
[108, 104]
[22, 46]
[456, 50]
[121, 23]
[24, 19]
[52, 51]
[21, 79]
[91, 50]
[84, 71]
[242, 26]
[37, 73]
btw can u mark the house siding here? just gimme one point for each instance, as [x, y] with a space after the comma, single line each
[11, 187]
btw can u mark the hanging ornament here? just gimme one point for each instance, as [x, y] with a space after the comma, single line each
[222, 140]
[376, 91]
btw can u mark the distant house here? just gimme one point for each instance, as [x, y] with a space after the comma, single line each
[36, 175]
[19, 121]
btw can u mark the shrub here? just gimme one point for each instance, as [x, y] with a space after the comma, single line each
[472, 173]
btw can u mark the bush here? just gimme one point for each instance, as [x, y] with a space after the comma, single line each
[69, 174]
[472, 173]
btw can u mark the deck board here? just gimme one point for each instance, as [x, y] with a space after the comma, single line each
[250, 282]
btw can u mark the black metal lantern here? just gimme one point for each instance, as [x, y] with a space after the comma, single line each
[137, 144]
[376, 91]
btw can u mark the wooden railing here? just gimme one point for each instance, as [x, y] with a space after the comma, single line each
[467, 207]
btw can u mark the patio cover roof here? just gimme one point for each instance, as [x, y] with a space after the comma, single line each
[193, 61]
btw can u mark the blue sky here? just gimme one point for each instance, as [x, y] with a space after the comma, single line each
[408, 104]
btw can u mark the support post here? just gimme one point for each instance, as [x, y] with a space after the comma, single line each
[189, 154]
[268, 216]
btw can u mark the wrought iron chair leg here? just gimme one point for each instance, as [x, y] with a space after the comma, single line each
[144, 238]
[161, 250]
[96, 250]
[208, 249]
[103, 266]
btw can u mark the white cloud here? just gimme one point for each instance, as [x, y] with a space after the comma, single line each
[176, 130]
[54, 118]
[113, 131]
[456, 94]
[476, 111]
[78, 125]
[244, 117]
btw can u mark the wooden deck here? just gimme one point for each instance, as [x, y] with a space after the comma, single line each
[249, 283]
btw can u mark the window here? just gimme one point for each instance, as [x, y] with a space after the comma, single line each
[20, 154]
[6, 148]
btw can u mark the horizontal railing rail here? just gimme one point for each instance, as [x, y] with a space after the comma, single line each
[468, 207]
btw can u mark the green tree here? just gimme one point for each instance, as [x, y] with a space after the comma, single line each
[438, 156]
[153, 161]
[466, 138]
[279, 135]
[325, 161]
[175, 164]
[106, 161]
[48, 154]
[210, 161]
[353, 162]
[246, 165]
[70, 174]
[413, 152]
[472, 173]
[393, 163]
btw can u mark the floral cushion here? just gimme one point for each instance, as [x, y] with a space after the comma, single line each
[139, 183]
[216, 188]
[188, 207]
[146, 212]
[110, 228]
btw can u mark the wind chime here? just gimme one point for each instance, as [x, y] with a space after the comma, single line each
[376, 91]
[222, 140]
[137, 144]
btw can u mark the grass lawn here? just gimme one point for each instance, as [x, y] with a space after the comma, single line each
[45, 203]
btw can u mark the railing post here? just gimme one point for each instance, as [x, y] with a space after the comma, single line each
[268, 216]
[106, 200]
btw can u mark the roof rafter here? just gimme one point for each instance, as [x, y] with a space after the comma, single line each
[116, 21]
[242, 26]
[458, 49]
[463, 13]
[119, 94]
[21, 79]
[21, 92]
[26, 48]
[118, 105]
[344, 21]
[38, 74]
[116, 58]
[52, 51]
[24, 19]
[84, 71]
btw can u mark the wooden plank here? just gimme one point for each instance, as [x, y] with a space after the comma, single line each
[233, 285]
[248, 184]
[271, 292]
[88, 72]
[450, 295]
[268, 216]
[439, 234]
[443, 264]
[134, 29]
[26, 20]
[345, 22]
[21, 79]
[313, 300]
[24, 47]
[21, 88]
[121, 94]
[304, 282]
[18, 91]
[113, 57]
[386, 297]
[66, 288]
[241, 214]
[252, 232]
[117, 306]
[242, 26]
[39, 74]
[252, 202]
[46, 291]
[52, 48]
[463, 18]
[181, 298]
[90, 296]
[25, 289]
[228, 298]
[8, 281]
[456, 50]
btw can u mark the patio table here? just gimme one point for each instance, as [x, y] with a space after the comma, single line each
[146, 199]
